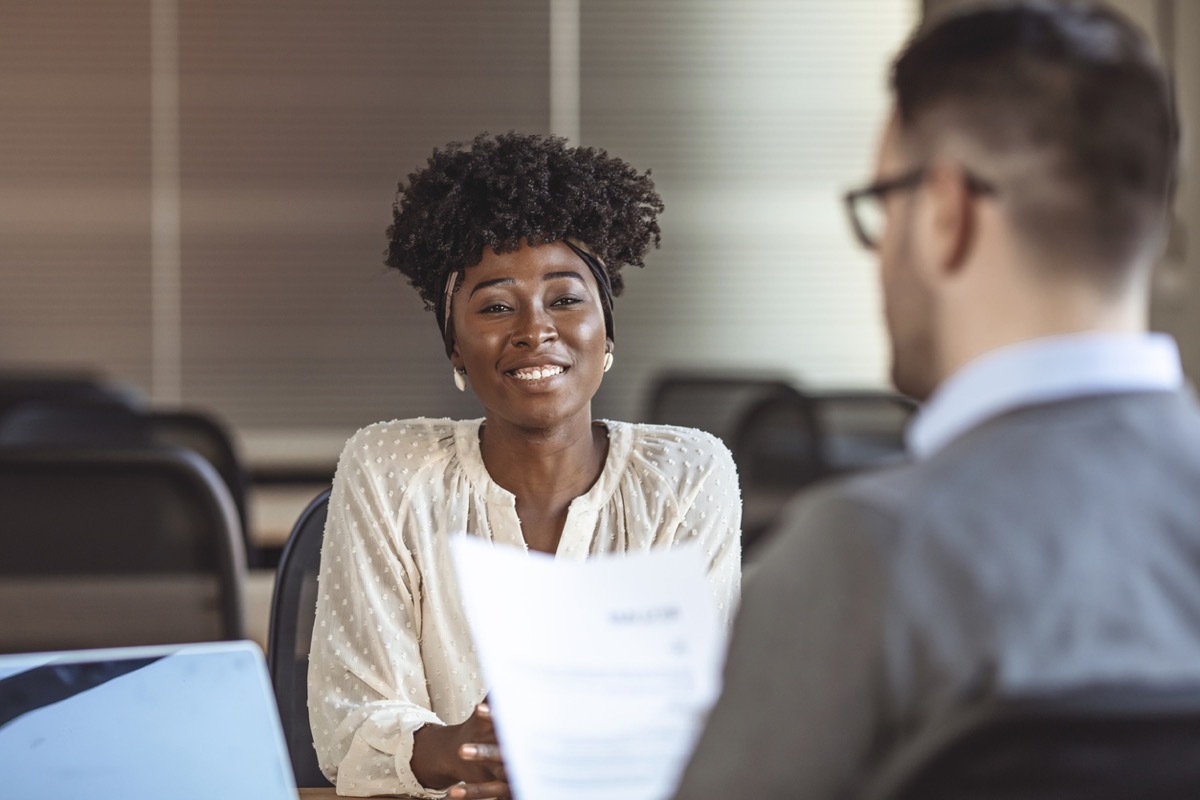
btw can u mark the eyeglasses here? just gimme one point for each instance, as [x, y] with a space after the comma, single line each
[865, 205]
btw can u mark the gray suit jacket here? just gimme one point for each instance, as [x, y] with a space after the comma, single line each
[1055, 545]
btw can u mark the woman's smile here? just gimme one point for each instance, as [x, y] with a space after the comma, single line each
[537, 374]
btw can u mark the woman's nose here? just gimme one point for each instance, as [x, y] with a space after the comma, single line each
[534, 328]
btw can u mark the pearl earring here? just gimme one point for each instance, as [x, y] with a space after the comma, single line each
[460, 380]
[608, 359]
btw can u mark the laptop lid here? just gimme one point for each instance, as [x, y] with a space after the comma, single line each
[180, 721]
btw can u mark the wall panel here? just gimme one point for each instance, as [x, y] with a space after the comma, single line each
[295, 121]
[754, 116]
[298, 120]
[74, 198]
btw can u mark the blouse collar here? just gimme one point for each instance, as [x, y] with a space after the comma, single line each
[620, 446]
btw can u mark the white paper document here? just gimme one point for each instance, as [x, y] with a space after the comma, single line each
[600, 672]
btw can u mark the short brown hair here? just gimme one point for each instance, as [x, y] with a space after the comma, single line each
[1074, 84]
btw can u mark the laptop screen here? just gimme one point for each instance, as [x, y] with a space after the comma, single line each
[184, 721]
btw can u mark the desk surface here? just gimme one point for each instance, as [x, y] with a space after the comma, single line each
[328, 793]
[318, 794]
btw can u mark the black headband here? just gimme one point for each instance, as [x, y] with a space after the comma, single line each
[602, 280]
[593, 264]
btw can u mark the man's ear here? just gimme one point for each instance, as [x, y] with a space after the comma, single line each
[948, 218]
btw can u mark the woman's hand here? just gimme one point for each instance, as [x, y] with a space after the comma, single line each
[482, 752]
[466, 754]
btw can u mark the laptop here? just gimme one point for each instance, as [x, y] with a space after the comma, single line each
[195, 721]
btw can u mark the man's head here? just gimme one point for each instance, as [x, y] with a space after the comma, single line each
[1039, 144]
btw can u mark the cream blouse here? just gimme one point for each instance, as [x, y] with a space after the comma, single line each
[391, 650]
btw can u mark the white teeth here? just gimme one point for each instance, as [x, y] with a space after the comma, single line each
[537, 373]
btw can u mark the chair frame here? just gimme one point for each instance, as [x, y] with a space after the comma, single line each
[669, 381]
[63, 423]
[279, 662]
[188, 467]
[1143, 706]
[238, 482]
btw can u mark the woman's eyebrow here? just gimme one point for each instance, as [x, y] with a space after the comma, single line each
[549, 276]
[569, 274]
[492, 282]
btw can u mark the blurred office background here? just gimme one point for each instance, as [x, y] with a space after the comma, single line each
[195, 192]
[194, 195]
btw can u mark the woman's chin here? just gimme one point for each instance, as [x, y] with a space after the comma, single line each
[540, 411]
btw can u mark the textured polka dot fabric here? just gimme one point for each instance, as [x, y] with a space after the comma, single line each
[391, 649]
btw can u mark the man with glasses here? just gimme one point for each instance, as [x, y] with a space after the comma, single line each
[1045, 533]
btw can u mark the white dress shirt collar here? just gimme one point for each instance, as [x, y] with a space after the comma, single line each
[1042, 371]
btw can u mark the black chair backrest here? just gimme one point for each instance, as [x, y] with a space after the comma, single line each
[203, 434]
[76, 423]
[861, 428]
[768, 425]
[109, 547]
[777, 447]
[1103, 743]
[19, 388]
[711, 402]
[293, 610]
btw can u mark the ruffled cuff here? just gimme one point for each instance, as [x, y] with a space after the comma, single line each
[379, 760]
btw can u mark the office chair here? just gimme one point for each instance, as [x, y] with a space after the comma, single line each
[293, 609]
[861, 429]
[777, 446]
[109, 547]
[712, 402]
[1101, 743]
[768, 425]
[74, 422]
[204, 434]
[20, 387]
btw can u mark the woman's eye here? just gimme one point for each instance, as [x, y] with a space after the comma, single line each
[569, 300]
[494, 308]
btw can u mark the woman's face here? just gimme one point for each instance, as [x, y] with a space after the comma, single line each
[529, 330]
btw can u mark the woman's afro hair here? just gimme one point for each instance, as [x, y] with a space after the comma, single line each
[497, 190]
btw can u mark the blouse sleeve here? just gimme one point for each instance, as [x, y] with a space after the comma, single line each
[714, 518]
[367, 692]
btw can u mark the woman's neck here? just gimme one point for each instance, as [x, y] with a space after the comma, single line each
[545, 470]
[564, 461]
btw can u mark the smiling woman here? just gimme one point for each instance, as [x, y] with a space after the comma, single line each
[516, 242]
[530, 337]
